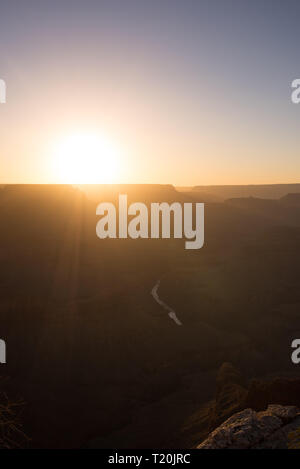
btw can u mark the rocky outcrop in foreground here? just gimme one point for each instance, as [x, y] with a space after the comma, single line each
[278, 427]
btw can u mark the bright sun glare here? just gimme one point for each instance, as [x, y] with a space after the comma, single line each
[86, 159]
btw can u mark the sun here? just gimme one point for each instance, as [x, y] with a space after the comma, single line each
[86, 159]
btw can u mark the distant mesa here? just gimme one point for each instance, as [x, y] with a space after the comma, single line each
[264, 191]
[291, 199]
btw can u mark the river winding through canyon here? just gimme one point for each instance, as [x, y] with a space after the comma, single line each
[171, 313]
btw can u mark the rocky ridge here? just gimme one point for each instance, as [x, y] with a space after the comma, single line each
[277, 427]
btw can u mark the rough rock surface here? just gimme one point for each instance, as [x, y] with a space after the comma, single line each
[273, 428]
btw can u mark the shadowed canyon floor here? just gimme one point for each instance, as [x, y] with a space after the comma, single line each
[91, 353]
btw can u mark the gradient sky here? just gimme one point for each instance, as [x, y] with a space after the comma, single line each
[194, 92]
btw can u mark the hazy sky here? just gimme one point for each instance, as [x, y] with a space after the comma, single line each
[192, 92]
